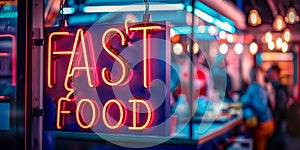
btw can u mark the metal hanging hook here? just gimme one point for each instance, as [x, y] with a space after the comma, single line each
[146, 17]
[146, 6]
[62, 21]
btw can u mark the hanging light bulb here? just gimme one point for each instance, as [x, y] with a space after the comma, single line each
[278, 43]
[291, 16]
[195, 48]
[238, 48]
[229, 38]
[254, 18]
[222, 35]
[284, 47]
[271, 45]
[268, 37]
[278, 23]
[177, 49]
[287, 35]
[253, 48]
[223, 48]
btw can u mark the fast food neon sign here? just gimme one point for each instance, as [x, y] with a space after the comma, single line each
[135, 113]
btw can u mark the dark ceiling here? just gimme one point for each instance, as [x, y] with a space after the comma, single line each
[266, 8]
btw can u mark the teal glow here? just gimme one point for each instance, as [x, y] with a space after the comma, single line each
[68, 10]
[189, 8]
[131, 8]
[12, 14]
[199, 35]
[224, 26]
[82, 19]
[183, 30]
[204, 16]
[206, 11]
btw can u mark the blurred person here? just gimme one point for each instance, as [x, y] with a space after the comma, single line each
[278, 100]
[221, 79]
[293, 120]
[256, 110]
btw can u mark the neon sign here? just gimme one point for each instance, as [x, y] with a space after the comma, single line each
[13, 55]
[99, 79]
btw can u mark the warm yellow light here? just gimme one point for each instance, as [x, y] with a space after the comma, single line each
[222, 35]
[268, 37]
[287, 35]
[253, 48]
[278, 23]
[223, 48]
[195, 48]
[278, 42]
[271, 45]
[285, 47]
[254, 18]
[291, 16]
[177, 49]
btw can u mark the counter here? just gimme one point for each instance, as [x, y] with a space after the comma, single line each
[203, 135]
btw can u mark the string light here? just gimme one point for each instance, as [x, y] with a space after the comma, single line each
[278, 43]
[284, 47]
[223, 48]
[177, 49]
[195, 48]
[212, 30]
[222, 35]
[253, 48]
[271, 45]
[229, 38]
[238, 48]
[268, 37]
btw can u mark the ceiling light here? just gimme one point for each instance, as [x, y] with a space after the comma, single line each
[291, 16]
[204, 16]
[278, 23]
[254, 18]
[287, 35]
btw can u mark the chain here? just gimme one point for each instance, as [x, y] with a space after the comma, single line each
[146, 17]
[146, 7]
[62, 21]
[61, 10]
